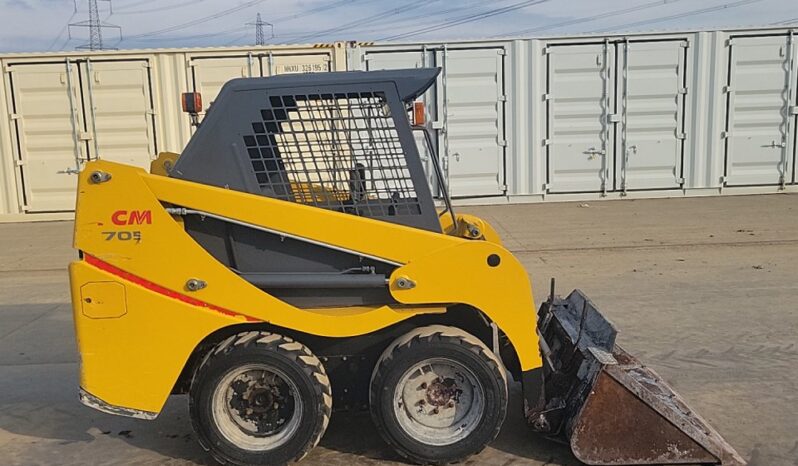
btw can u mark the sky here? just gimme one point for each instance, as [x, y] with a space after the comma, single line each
[42, 25]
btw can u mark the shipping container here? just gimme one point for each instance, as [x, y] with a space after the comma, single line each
[64, 109]
[514, 120]
[610, 116]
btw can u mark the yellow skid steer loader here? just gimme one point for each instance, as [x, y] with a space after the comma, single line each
[292, 260]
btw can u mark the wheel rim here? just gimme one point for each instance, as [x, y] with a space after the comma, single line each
[439, 401]
[256, 407]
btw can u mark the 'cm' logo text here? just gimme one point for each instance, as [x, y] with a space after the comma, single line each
[133, 217]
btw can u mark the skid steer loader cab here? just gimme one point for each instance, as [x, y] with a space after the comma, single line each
[292, 260]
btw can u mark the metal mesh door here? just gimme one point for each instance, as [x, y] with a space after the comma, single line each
[335, 151]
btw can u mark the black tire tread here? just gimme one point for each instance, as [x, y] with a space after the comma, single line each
[431, 333]
[293, 350]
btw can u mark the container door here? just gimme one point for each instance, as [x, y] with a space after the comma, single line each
[580, 116]
[651, 86]
[48, 124]
[285, 64]
[118, 106]
[473, 103]
[760, 91]
[413, 59]
[210, 74]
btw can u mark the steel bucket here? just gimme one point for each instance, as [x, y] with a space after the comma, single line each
[611, 408]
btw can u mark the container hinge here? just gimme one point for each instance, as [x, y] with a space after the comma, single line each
[151, 111]
[681, 135]
[547, 97]
[146, 64]
[729, 41]
[723, 179]
[613, 118]
[794, 110]
[546, 142]
[14, 116]
[501, 52]
[546, 186]
[680, 180]
[437, 124]
[503, 187]
[682, 90]
[84, 136]
[725, 134]
[727, 89]
[366, 57]
[684, 44]
[19, 162]
[546, 50]
[8, 68]
[503, 142]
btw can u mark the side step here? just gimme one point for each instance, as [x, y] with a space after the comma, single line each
[611, 408]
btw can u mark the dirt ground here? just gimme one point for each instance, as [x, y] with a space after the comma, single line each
[703, 289]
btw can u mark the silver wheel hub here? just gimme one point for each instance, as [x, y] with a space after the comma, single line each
[439, 401]
[256, 407]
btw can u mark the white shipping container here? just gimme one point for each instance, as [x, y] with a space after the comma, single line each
[65, 109]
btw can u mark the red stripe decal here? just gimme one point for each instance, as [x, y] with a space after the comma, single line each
[105, 266]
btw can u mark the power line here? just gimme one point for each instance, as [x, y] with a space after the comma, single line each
[400, 21]
[587, 19]
[303, 13]
[677, 15]
[155, 10]
[319, 9]
[197, 21]
[196, 36]
[467, 19]
[785, 22]
[63, 29]
[408, 7]
[135, 4]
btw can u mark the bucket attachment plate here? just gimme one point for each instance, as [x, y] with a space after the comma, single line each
[606, 404]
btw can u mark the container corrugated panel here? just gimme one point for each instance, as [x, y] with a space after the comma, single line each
[209, 73]
[615, 115]
[68, 108]
[653, 85]
[47, 128]
[579, 98]
[468, 105]
[761, 92]
[412, 59]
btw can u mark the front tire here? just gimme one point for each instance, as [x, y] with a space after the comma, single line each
[438, 395]
[260, 398]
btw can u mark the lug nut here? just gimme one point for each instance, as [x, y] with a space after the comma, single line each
[435, 411]
[450, 404]
[423, 386]
[421, 402]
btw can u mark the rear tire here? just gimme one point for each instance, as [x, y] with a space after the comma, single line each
[260, 398]
[438, 395]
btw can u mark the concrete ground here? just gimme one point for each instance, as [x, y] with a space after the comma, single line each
[703, 289]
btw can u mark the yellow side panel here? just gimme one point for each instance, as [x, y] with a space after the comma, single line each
[134, 360]
[151, 245]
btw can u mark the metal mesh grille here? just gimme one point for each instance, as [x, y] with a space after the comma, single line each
[335, 151]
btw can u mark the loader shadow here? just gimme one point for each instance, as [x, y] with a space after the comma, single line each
[39, 380]
[354, 434]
